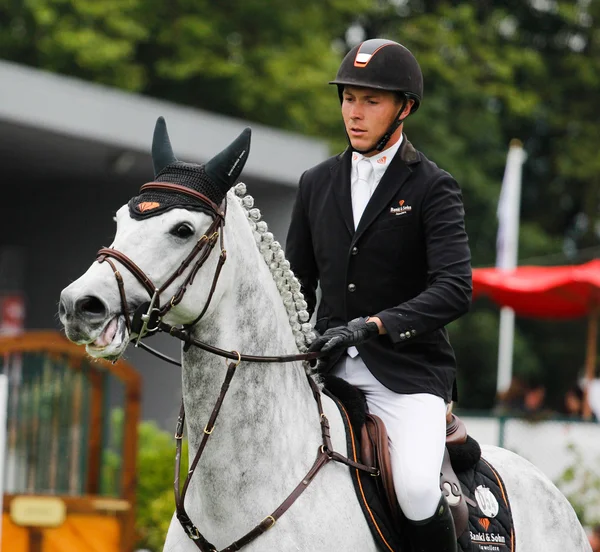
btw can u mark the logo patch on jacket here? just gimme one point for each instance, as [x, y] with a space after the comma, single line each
[401, 210]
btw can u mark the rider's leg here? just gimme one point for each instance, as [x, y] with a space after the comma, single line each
[417, 434]
[435, 534]
[416, 426]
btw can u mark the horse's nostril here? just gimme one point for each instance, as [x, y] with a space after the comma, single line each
[90, 306]
[62, 309]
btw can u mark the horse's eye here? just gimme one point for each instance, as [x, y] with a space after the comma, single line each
[182, 231]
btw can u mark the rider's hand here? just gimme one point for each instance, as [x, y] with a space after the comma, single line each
[335, 341]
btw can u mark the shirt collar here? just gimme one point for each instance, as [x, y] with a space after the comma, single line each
[380, 161]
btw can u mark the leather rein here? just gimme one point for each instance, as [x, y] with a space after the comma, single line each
[148, 320]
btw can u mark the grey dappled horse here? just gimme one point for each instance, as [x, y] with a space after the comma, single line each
[268, 432]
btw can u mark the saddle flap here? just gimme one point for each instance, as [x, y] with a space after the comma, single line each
[367, 450]
[375, 451]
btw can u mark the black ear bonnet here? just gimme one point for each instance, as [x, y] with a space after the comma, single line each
[212, 179]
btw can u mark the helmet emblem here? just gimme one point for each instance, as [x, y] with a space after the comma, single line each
[366, 52]
[362, 59]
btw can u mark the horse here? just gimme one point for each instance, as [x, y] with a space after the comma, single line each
[245, 301]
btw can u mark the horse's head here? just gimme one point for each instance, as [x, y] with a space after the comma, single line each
[164, 237]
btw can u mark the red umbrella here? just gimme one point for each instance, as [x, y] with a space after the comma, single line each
[547, 292]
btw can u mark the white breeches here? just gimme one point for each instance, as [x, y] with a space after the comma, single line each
[416, 427]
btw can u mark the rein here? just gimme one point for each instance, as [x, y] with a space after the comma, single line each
[189, 341]
[148, 319]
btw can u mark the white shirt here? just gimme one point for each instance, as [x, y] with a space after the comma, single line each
[380, 163]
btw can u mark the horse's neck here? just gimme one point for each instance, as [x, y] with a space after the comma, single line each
[269, 418]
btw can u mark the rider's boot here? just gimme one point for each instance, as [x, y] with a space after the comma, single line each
[435, 534]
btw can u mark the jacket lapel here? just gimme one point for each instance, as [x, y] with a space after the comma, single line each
[340, 177]
[392, 180]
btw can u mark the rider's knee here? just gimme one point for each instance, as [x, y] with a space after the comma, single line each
[419, 498]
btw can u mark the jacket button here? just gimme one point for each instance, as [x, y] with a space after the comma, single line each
[402, 336]
[354, 250]
[351, 288]
[413, 332]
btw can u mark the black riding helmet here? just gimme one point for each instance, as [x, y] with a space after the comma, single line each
[384, 65]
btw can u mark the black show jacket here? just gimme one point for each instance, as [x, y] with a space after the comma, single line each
[408, 263]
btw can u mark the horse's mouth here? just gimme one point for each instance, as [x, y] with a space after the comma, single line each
[112, 339]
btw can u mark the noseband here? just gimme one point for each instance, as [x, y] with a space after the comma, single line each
[153, 310]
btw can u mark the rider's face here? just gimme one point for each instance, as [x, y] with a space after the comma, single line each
[368, 113]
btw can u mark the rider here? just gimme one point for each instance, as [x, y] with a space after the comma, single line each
[381, 229]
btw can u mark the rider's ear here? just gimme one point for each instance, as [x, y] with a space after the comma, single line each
[162, 152]
[225, 167]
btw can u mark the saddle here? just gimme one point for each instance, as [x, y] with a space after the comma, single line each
[374, 450]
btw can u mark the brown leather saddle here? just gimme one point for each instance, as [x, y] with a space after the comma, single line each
[375, 451]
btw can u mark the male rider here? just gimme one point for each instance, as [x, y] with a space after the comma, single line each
[381, 228]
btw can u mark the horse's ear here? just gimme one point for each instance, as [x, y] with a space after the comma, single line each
[162, 152]
[225, 167]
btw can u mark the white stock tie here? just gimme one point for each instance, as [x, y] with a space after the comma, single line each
[361, 192]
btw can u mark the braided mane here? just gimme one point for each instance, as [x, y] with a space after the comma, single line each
[287, 284]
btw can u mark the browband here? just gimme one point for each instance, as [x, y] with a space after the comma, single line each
[183, 190]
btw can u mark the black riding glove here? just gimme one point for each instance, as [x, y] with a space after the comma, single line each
[335, 341]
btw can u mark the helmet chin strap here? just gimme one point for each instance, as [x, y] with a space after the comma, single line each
[382, 142]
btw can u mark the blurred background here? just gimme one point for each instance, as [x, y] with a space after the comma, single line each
[83, 81]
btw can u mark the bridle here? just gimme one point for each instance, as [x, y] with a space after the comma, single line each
[202, 249]
[148, 320]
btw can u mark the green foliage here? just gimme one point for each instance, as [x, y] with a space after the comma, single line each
[581, 486]
[155, 501]
[475, 342]
[269, 61]
[494, 71]
[93, 40]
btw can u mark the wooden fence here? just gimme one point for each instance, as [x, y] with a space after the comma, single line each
[66, 442]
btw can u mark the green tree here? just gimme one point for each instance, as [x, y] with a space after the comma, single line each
[494, 70]
[581, 485]
[268, 61]
[155, 499]
[155, 502]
